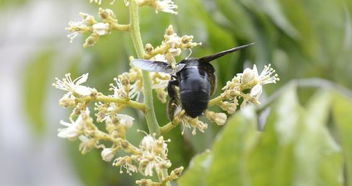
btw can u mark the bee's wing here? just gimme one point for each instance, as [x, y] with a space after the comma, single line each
[179, 67]
[207, 59]
[153, 66]
[157, 66]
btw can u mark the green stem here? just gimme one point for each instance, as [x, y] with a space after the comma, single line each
[108, 99]
[150, 117]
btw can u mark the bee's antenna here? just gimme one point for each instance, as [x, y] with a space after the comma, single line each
[207, 59]
[190, 53]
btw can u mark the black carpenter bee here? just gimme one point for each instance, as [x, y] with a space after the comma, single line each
[194, 77]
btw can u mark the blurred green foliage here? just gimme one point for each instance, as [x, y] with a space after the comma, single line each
[306, 139]
[36, 89]
[295, 148]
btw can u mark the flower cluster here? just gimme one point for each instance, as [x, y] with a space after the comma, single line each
[247, 85]
[167, 6]
[171, 47]
[89, 24]
[150, 157]
[74, 89]
[151, 154]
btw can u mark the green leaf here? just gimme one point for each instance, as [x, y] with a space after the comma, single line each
[275, 12]
[240, 22]
[342, 110]
[275, 145]
[197, 171]
[316, 152]
[224, 164]
[230, 150]
[35, 87]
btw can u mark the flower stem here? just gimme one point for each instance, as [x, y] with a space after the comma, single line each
[152, 122]
[215, 100]
[133, 104]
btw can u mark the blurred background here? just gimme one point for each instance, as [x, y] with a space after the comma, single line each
[301, 39]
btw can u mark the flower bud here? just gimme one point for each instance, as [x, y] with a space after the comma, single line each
[256, 91]
[101, 28]
[220, 118]
[248, 75]
[148, 48]
[107, 154]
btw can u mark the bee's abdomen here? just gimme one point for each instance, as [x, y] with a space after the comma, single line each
[194, 102]
[194, 90]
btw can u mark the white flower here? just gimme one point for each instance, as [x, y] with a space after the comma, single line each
[127, 163]
[229, 107]
[175, 51]
[220, 118]
[86, 144]
[154, 155]
[72, 36]
[173, 40]
[256, 91]
[72, 130]
[159, 57]
[160, 80]
[147, 143]
[76, 27]
[268, 75]
[265, 77]
[125, 120]
[74, 86]
[108, 154]
[249, 74]
[87, 19]
[136, 89]
[167, 6]
[101, 28]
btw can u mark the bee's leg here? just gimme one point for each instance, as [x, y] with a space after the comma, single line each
[174, 101]
[171, 87]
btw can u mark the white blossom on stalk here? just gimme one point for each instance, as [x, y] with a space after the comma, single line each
[101, 28]
[72, 130]
[267, 76]
[218, 118]
[125, 120]
[249, 75]
[167, 6]
[74, 86]
[154, 155]
[256, 91]
[76, 27]
[86, 145]
[108, 154]
[127, 163]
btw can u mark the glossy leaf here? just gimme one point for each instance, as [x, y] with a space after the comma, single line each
[271, 161]
[197, 171]
[315, 145]
[230, 150]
